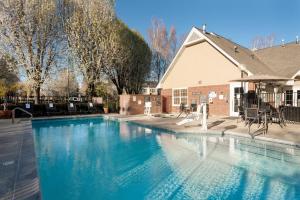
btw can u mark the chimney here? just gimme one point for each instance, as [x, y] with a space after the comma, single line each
[282, 43]
[297, 39]
[204, 28]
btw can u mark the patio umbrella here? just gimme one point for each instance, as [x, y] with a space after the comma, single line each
[261, 78]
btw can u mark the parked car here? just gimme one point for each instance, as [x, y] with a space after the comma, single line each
[75, 99]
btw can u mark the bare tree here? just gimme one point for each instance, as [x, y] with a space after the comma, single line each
[63, 84]
[163, 45]
[87, 26]
[29, 33]
[260, 42]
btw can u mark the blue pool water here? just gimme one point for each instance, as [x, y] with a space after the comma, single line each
[95, 158]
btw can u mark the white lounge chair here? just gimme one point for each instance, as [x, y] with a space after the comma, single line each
[193, 116]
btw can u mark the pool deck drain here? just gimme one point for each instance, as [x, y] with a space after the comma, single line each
[18, 171]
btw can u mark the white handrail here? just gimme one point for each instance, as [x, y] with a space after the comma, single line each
[14, 113]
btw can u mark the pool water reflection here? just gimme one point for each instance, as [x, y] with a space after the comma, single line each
[99, 159]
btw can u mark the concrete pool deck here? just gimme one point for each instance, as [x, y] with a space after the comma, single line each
[18, 171]
[289, 134]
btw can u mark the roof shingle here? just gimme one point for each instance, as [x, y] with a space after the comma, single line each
[277, 60]
[284, 60]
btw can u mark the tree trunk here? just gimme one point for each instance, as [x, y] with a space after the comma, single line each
[91, 92]
[120, 90]
[37, 95]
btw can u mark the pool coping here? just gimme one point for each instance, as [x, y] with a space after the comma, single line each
[214, 132]
[136, 118]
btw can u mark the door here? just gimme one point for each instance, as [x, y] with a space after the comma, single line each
[236, 97]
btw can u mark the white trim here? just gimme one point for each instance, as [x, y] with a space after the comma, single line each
[233, 85]
[298, 73]
[194, 42]
[202, 37]
[296, 88]
[187, 96]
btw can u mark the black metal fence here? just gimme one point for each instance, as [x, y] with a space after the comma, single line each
[289, 100]
[61, 102]
[292, 113]
[274, 99]
[43, 99]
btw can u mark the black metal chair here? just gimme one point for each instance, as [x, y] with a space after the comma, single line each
[241, 114]
[182, 109]
[193, 107]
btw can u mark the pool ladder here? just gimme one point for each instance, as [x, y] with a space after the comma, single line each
[13, 113]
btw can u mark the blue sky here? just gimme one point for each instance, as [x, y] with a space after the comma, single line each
[238, 20]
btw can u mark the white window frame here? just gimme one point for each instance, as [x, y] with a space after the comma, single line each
[187, 96]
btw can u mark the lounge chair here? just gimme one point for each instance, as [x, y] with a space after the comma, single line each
[51, 109]
[193, 116]
[28, 107]
[72, 108]
[91, 108]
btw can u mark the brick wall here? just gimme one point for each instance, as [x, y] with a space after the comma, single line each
[216, 107]
[166, 100]
[135, 104]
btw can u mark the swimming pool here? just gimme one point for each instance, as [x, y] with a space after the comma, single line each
[94, 158]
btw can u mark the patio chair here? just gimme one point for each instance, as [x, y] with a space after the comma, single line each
[278, 115]
[183, 109]
[193, 116]
[51, 109]
[193, 107]
[241, 114]
[72, 108]
[28, 107]
[253, 115]
[91, 108]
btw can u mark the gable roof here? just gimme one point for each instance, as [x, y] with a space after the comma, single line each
[283, 59]
[242, 55]
[270, 61]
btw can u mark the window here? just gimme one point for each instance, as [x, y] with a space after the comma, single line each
[152, 91]
[289, 97]
[180, 97]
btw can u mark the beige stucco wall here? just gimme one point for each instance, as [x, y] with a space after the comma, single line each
[200, 62]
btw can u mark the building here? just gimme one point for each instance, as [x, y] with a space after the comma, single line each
[149, 88]
[206, 62]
